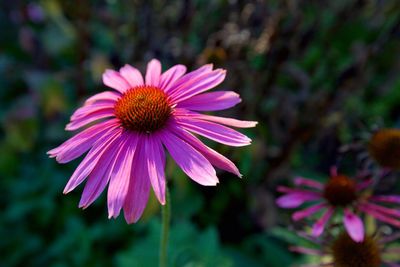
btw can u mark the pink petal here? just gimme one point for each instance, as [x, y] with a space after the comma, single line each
[80, 143]
[107, 96]
[387, 198]
[153, 72]
[191, 76]
[388, 211]
[132, 76]
[169, 77]
[83, 111]
[354, 226]
[294, 200]
[114, 80]
[89, 162]
[319, 226]
[139, 187]
[213, 156]
[298, 215]
[192, 162]
[380, 216]
[119, 179]
[214, 132]
[155, 155]
[300, 181]
[100, 176]
[198, 85]
[182, 113]
[211, 101]
[89, 118]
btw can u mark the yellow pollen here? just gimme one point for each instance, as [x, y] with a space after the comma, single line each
[143, 109]
[348, 253]
[340, 191]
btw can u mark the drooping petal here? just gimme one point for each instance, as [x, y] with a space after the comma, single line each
[294, 200]
[395, 212]
[89, 118]
[89, 162]
[300, 181]
[199, 85]
[214, 131]
[354, 225]
[387, 198]
[169, 77]
[192, 162]
[298, 215]
[379, 216]
[107, 96]
[114, 80]
[139, 187]
[213, 156]
[119, 180]
[81, 142]
[153, 72]
[211, 101]
[155, 162]
[132, 75]
[184, 113]
[100, 176]
[319, 226]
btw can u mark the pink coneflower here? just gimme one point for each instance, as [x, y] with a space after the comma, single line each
[342, 251]
[339, 193]
[130, 127]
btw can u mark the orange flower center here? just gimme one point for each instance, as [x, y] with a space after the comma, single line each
[143, 109]
[348, 253]
[340, 191]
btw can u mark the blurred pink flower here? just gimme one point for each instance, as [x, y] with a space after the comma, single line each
[130, 127]
[339, 193]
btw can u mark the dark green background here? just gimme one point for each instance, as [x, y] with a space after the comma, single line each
[315, 74]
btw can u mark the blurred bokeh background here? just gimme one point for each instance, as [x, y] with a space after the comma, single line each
[316, 75]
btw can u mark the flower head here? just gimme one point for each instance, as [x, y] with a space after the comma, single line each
[130, 127]
[339, 193]
[343, 251]
[384, 147]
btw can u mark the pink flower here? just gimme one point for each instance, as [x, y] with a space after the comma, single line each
[339, 193]
[129, 128]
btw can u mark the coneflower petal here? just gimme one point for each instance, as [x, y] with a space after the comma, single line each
[354, 225]
[212, 101]
[119, 182]
[132, 76]
[156, 164]
[139, 188]
[192, 162]
[153, 73]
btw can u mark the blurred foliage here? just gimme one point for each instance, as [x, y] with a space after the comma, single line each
[315, 74]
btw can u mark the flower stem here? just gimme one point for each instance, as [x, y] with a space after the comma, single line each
[166, 217]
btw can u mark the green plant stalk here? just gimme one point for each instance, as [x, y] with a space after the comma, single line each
[166, 218]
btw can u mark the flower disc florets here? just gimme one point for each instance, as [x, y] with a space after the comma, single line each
[340, 191]
[384, 147]
[143, 109]
[348, 253]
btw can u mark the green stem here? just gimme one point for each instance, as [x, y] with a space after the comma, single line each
[166, 217]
